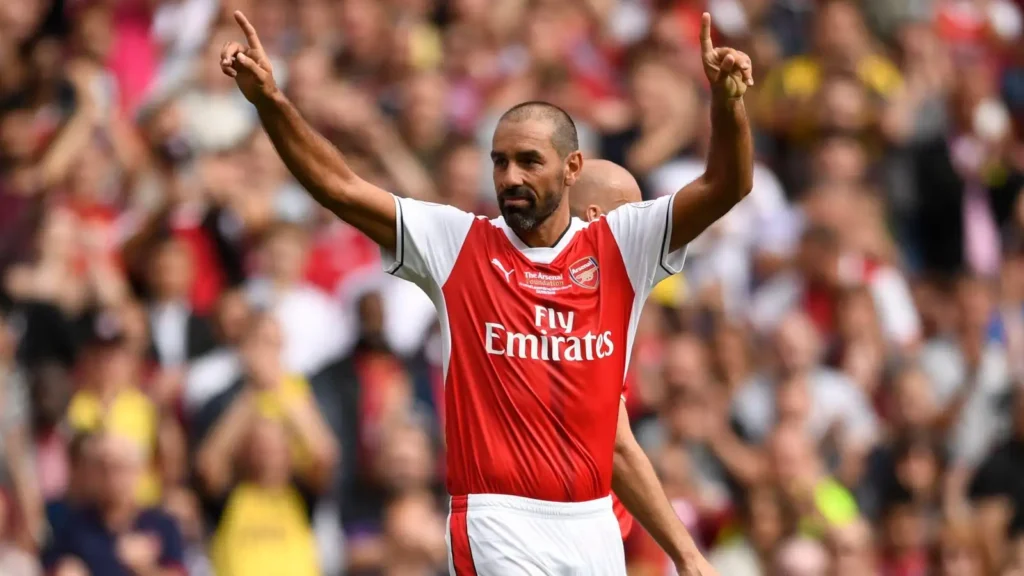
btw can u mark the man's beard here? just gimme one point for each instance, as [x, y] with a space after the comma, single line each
[526, 218]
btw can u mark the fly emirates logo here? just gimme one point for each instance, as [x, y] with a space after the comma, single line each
[551, 342]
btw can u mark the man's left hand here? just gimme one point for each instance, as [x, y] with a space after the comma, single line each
[729, 71]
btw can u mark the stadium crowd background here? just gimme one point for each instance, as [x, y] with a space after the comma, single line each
[217, 370]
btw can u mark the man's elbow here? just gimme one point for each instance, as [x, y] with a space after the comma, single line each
[211, 473]
[737, 186]
[324, 462]
[727, 189]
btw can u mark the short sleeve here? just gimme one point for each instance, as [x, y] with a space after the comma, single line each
[428, 238]
[642, 231]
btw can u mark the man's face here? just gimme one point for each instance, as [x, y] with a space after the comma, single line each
[529, 174]
[171, 276]
[796, 345]
[819, 262]
[285, 257]
[121, 470]
[839, 33]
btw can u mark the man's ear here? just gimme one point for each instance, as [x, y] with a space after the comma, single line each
[593, 212]
[573, 168]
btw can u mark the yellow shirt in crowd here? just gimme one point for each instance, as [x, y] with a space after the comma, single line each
[264, 532]
[267, 532]
[271, 405]
[130, 414]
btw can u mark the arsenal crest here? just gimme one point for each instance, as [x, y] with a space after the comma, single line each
[584, 273]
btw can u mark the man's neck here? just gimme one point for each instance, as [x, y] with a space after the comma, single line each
[549, 232]
[283, 285]
[170, 301]
[119, 518]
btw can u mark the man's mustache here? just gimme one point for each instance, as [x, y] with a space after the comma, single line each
[518, 193]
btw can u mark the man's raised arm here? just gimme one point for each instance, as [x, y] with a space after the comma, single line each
[314, 161]
[729, 175]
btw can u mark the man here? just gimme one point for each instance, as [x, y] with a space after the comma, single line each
[537, 314]
[179, 334]
[113, 534]
[602, 187]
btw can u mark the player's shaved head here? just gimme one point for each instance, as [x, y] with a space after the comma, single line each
[602, 187]
[563, 130]
[536, 158]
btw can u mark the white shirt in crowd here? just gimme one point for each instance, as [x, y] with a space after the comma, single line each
[723, 253]
[316, 331]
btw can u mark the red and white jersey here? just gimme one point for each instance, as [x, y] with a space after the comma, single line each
[535, 340]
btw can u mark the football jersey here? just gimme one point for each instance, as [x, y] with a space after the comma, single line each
[535, 340]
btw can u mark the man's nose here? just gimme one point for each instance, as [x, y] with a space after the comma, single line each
[510, 177]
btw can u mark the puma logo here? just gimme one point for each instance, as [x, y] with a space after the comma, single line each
[498, 265]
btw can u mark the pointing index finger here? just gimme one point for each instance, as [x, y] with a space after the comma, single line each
[705, 33]
[250, 33]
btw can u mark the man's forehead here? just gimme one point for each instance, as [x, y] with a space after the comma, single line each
[527, 134]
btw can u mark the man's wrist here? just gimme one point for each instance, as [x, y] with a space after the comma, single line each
[686, 558]
[276, 99]
[723, 101]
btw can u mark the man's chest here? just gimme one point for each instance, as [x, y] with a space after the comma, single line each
[574, 307]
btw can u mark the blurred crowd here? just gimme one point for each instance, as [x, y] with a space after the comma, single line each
[203, 372]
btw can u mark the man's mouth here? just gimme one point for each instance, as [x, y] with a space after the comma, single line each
[517, 202]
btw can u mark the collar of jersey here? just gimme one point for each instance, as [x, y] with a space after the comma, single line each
[542, 254]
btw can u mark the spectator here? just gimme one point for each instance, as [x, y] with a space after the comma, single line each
[110, 399]
[816, 499]
[969, 372]
[999, 500]
[315, 332]
[763, 525]
[214, 372]
[17, 476]
[822, 401]
[179, 336]
[905, 541]
[959, 551]
[264, 463]
[410, 548]
[13, 560]
[50, 393]
[114, 534]
[84, 481]
[852, 550]
[824, 268]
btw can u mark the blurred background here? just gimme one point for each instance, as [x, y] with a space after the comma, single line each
[202, 370]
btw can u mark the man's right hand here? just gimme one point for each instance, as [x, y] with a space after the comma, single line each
[249, 66]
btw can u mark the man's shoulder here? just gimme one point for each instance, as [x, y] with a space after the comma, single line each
[156, 519]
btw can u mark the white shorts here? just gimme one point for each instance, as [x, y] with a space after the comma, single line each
[496, 535]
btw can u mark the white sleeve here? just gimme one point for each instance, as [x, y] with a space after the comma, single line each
[428, 238]
[896, 307]
[642, 231]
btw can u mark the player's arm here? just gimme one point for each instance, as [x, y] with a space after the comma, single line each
[729, 175]
[315, 162]
[637, 486]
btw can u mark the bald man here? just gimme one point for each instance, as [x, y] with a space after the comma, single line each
[602, 187]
